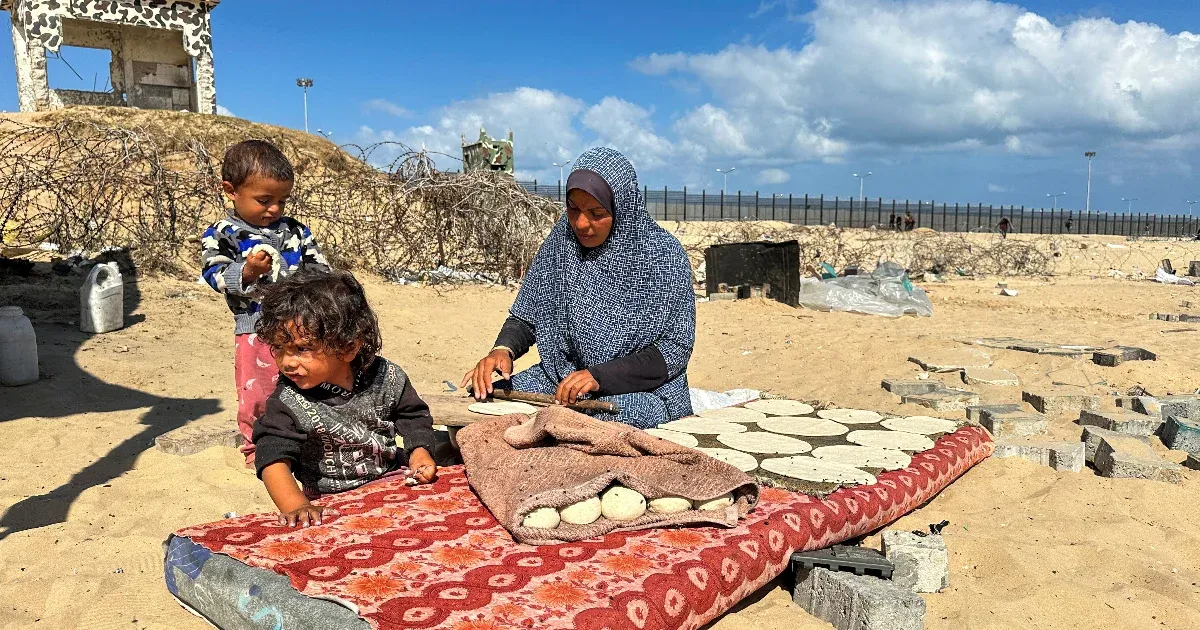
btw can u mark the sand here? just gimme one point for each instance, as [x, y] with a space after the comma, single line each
[85, 503]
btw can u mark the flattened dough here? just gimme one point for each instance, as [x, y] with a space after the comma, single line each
[501, 408]
[702, 426]
[850, 416]
[864, 456]
[811, 427]
[737, 459]
[764, 443]
[682, 439]
[780, 407]
[807, 468]
[925, 425]
[733, 414]
[891, 439]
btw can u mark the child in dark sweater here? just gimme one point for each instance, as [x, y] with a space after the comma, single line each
[341, 416]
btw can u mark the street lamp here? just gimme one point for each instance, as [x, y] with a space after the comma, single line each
[1190, 204]
[725, 186]
[1087, 206]
[1056, 196]
[861, 180]
[560, 176]
[1130, 200]
[305, 84]
[327, 134]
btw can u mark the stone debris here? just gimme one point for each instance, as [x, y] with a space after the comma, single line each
[1116, 355]
[1127, 457]
[1193, 461]
[920, 563]
[905, 387]
[1061, 402]
[952, 360]
[1186, 406]
[1091, 440]
[990, 376]
[1123, 422]
[944, 399]
[197, 436]
[1064, 456]
[975, 412]
[857, 602]
[1172, 317]
[1182, 435]
[1016, 424]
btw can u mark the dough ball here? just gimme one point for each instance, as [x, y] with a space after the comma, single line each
[670, 505]
[619, 503]
[542, 518]
[719, 503]
[585, 512]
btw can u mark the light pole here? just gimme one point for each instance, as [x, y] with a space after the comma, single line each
[726, 172]
[1130, 200]
[1190, 204]
[1056, 196]
[560, 176]
[327, 134]
[305, 84]
[1087, 206]
[861, 179]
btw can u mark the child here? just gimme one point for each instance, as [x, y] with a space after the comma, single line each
[341, 416]
[254, 246]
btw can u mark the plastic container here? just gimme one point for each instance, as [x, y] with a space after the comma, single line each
[18, 348]
[102, 300]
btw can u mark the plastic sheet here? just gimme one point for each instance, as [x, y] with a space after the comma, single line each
[887, 291]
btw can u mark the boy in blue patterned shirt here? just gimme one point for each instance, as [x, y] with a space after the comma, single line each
[254, 246]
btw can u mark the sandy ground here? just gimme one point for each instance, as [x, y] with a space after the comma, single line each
[86, 503]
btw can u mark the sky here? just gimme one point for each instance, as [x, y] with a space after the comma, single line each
[962, 101]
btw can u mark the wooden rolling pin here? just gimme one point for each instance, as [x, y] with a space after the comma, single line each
[545, 400]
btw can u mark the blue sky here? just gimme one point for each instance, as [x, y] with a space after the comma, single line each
[954, 100]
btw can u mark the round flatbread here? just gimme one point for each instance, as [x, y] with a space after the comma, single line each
[810, 427]
[764, 443]
[807, 468]
[780, 407]
[733, 414]
[925, 425]
[682, 439]
[501, 408]
[891, 439]
[737, 459]
[702, 426]
[850, 416]
[864, 456]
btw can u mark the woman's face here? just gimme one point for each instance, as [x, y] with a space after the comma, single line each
[591, 222]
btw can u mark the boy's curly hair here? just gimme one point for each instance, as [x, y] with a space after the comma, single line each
[255, 157]
[329, 310]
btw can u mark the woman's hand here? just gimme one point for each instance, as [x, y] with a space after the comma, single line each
[480, 378]
[575, 386]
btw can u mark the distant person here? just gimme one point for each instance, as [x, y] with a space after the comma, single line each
[1067, 225]
[893, 221]
[341, 416]
[251, 248]
[1003, 226]
[910, 221]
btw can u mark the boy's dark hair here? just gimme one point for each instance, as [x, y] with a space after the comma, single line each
[255, 157]
[328, 309]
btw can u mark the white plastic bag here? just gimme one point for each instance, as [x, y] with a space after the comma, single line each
[886, 291]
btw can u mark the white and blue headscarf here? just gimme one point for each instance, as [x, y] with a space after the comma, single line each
[590, 306]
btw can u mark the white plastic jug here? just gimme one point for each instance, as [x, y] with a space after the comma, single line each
[102, 300]
[18, 348]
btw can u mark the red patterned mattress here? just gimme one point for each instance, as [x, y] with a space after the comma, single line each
[434, 557]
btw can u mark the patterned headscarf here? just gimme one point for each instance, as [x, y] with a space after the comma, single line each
[589, 306]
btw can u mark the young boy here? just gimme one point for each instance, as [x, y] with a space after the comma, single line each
[341, 416]
[252, 247]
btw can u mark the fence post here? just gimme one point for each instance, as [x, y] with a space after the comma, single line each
[789, 207]
[739, 206]
[1022, 219]
[837, 206]
[906, 210]
[894, 209]
[722, 204]
[685, 203]
[756, 205]
[805, 208]
[703, 203]
[879, 208]
[821, 213]
[772, 206]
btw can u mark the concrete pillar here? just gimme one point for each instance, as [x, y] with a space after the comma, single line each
[206, 87]
[33, 86]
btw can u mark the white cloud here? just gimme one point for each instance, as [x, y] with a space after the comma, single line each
[772, 176]
[387, 107]
[627, 128]
[996, 188]
[224, 111]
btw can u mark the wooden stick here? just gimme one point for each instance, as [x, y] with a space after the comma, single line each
[546, 400]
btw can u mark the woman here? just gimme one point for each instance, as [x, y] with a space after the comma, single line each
[608, 301]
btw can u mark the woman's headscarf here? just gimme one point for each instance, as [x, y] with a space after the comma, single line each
[589, 306]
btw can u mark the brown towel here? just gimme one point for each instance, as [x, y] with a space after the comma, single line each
[559, 457]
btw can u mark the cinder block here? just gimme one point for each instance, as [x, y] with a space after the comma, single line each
[944, 399]
[858, 602]
[1186, 406]
[1060, 455]
[975, 412]
[902, 387]
[1148, 405]
[990, 376]
[1126, 457]
[951, 360]
[1193, 461]
[1057, 403]
[1124, 422]
[196, 437]
[1182, 435]
[1112, 357]
[1091, 440]
[920, 563]
[1014, 424]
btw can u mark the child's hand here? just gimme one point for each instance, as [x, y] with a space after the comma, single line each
[421, 466]
[304, 515]
[257, 264]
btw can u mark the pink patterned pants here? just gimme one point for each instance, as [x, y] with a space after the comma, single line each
[256, 374]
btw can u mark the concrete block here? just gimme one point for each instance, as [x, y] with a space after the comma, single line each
[975, 412]
[952, 360]
[903, 387]
[858, 602]
[1014, 424]
[1117, 355]
[1123, 422]
[195, 437]
[1148, 405]
[1193, 461]
[920, 563]
[1065, 456]
[990, 376]
[1061, 402]
[1091, 440]
[1127, 457]
[1194, 268]
[944, 399]
[1186, 406]
[1182, 435]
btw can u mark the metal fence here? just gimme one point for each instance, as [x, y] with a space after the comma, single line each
[682, 205]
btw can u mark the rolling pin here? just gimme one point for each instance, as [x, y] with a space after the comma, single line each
[545, 400]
